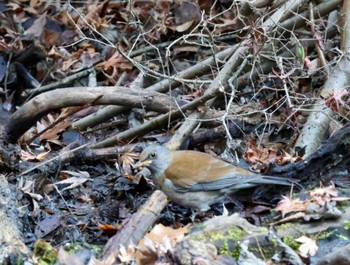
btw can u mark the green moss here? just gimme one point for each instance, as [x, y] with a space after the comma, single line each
[325, 235]
[290, 241]
[227, 240]
[45, 252]
[287, 226]
[237, 252]
[273, 241]
[19, 260]
[235, 233]
[74, 248]
[347, 225]
[224, 250]
[342, 237]
[342, 205]
[16, 259]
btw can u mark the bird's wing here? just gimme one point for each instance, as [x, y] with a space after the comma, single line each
[232, 182]
[193, 171]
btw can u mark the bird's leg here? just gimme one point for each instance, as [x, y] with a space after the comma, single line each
[193, 215]
[236, 202]
[201, 214]
[197, 213]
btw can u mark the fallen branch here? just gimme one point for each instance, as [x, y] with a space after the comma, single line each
[134, 230]
[10, 237]
[39, 106]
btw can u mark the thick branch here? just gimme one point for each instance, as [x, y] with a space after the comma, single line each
[39, 106]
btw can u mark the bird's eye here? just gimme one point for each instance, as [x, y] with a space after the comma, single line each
[153, 155]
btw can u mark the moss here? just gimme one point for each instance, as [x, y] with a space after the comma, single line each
[274, 242]
[342, 205]
[235, 233]
[228, 241]
[74, 248]
[287, 226]
[16, 259]
[224, 250]
[45, 252]
[342, 237]
[19, 259]
[236, 253]
[290, 241]
[347, 225]
[325, 235]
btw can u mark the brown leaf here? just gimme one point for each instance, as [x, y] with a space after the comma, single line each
[29, 156]
[157, 242]
[108, 229]
[37, 28]
[127, 255]
[286, 205]
[187, 13]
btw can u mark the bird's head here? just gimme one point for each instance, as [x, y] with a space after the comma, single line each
[155, 158]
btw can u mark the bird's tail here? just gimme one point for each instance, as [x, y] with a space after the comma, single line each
[277, 181]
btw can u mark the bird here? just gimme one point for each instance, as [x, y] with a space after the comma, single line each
[197, 180]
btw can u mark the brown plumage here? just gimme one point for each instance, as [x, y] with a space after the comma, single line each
[198, 180]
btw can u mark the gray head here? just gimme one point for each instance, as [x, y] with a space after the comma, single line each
[156, 158]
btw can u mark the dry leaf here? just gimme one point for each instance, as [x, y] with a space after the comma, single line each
[74, 182]
[126, 255]
[320, 199]
[29, 156]
[37, 28]
[308, 246]
[286, 205]
[329, 191]
[159, 241]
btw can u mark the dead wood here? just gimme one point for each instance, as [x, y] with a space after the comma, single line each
[87, 154]
[223, 77]
[293, 22]
[323, 9]
[59, 83]
[135, 229]
[318, 122]
[330, 162]
[139, 224]
[10, 237]
[237, 128]
[36, 108]
[17, 125]
[9, 153]
[172, 82]
[157, 122]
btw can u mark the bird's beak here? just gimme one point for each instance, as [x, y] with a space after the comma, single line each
[141, 164]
